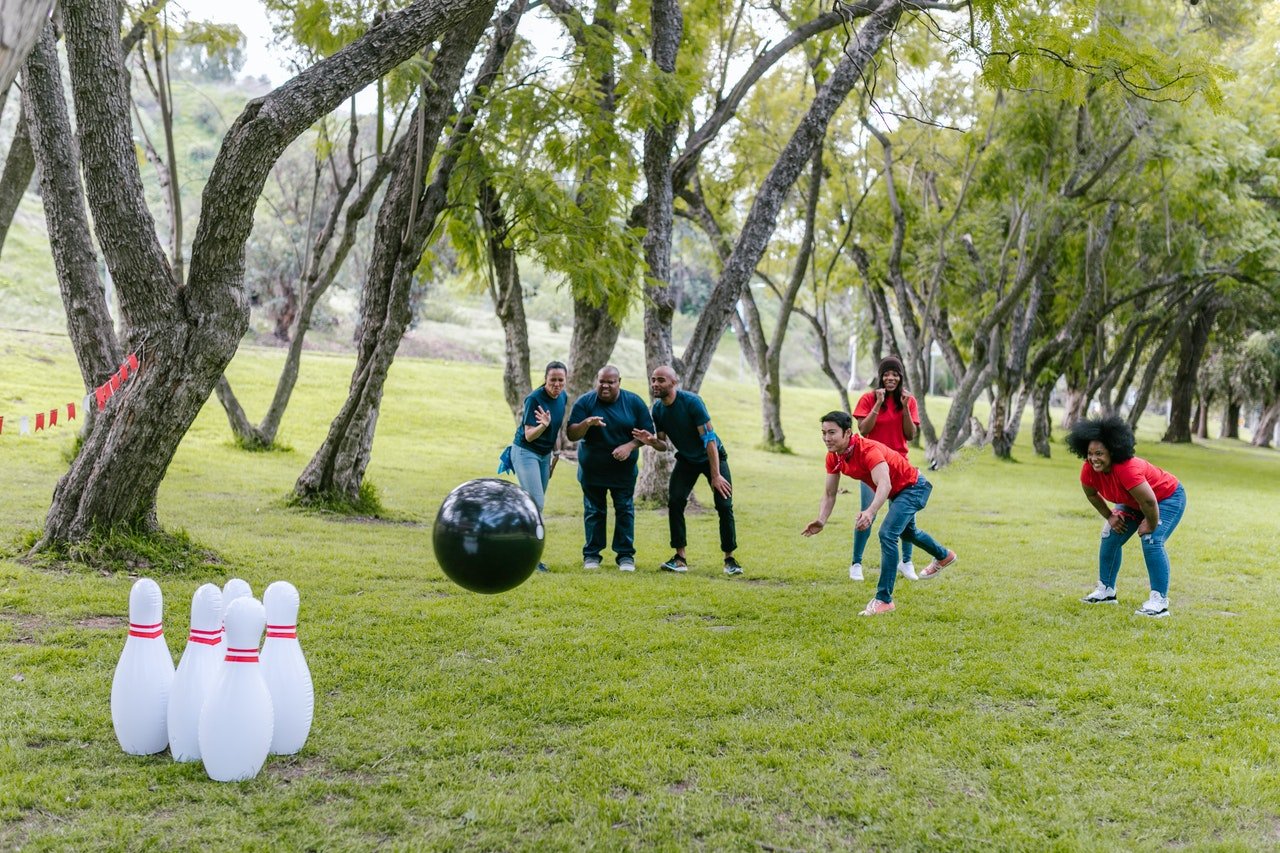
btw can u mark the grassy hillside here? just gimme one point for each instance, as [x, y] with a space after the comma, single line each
[653, 711]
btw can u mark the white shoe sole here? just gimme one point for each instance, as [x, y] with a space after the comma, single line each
[1162, 614]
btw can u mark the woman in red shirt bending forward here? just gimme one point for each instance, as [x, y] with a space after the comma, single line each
[1148, 501]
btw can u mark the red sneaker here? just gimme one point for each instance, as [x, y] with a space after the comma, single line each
[935, 568]
[875, 607]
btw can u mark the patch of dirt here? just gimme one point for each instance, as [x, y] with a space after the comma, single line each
[103, 623]
[26, 625]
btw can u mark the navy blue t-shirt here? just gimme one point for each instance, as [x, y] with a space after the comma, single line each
[545, 443]
[680, 422]
[596, 465]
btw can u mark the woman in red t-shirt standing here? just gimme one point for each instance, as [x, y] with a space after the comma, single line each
[1148, 501]
[887, 414]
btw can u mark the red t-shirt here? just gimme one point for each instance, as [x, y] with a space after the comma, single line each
[1114, 486]
[888, 428]
[866, 453]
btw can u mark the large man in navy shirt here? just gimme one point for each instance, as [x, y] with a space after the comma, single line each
[603, 422]
[681, 419]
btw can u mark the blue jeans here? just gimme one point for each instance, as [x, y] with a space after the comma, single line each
[900, 523]
[594, 515]
[533, 471]
[1109, 551]
[861, 537]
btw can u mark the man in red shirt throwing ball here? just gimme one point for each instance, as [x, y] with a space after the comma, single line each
[893, 478]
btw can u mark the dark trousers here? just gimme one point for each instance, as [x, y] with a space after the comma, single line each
[683, 478]
[595, 511]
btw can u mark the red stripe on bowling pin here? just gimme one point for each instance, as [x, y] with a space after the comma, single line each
[208, 638]
[146, 632]
[283, 632]
[242, 655]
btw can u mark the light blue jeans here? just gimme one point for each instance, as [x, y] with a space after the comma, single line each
[1157, 560]
[900, 523]
[533, 471]
[862, 537]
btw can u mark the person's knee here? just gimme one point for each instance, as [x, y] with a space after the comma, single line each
[888, 537]
[1152, 543]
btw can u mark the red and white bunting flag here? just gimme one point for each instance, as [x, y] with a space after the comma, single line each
[53, 417]
[71, 411]
[24, 426]
[86, 402]
[102, 393]
[132, 362]
[39, 421]
[1, 425]
[114, 382]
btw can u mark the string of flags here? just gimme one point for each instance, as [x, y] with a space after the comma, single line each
[31, 424]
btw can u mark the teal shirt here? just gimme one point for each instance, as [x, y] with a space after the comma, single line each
[596, 465]
[680, 422]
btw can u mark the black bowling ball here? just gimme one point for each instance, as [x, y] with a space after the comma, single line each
[488, 535]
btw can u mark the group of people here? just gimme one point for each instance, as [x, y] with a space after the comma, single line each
[870, 446]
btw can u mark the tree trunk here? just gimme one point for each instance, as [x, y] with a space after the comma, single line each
[759, 225]
[770, 393]
[18, 167]
[1194, 337]
[1201, 417]
[406, 221]
[21, 22]
[667, 27]
[89, 323]
[1041, 421]
[1265, 430]
[315, 284]
[1230, 420]
[185, 338]
[508, 299]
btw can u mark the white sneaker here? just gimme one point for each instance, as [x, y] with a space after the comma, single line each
[591, 563]
[1103, 594]
[908, 571]
[626, 564]
[855, 572]
[1156, 606]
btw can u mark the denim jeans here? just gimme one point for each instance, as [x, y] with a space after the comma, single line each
[594, 514]
[900, 523]
[1109, 550]
[861, 537]
[533, 471]
[683, 478]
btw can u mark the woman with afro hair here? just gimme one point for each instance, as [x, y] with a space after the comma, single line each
[1148, 501]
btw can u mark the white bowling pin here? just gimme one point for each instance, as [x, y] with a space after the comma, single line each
[231, 590]
[236, 721]
[144, 676]
[285, 670]
[196, 673]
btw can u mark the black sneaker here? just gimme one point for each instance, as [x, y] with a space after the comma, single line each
[675, 564]
[731, 566]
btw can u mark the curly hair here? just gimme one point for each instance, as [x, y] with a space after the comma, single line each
[1113, 431]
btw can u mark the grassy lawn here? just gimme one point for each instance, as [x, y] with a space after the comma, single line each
[655, 711]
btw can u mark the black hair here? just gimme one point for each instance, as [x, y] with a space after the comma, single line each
[554, 365]
[840, 419]
[1112, 431]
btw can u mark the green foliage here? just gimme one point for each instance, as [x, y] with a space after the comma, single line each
[126, 550]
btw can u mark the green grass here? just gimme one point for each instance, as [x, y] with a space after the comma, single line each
[654, 711]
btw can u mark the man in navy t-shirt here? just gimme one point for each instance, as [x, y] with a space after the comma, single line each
[602, 422]
[681, 419]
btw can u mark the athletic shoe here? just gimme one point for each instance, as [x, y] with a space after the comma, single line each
[908, 571]
[626, 564]
[1102, 595]
[675, 564]
[1156, 606]
[855, 572]
[876, 607]
[542, 567]
[591, 563]
[935, 568]
[731, 566]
